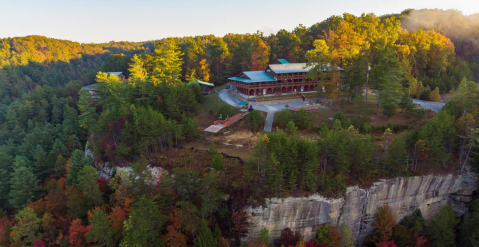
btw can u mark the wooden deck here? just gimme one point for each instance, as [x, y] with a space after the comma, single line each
[221, 124]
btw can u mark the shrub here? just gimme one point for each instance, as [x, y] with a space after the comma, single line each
[225, 110]
[283, 117]
[425, 94]
[434, 96]
[329, 236]
[255, 120]
[301, 119]
[342, 119]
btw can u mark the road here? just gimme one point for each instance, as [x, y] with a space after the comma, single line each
[269, 109]
[434, 106]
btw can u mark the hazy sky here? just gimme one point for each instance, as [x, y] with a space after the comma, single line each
[140, 20]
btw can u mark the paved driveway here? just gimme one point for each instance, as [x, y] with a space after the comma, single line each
[269, 109]
[434, 106]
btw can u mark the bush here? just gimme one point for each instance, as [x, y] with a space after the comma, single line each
[425, 94]
[329, 236]
[434, 96]
[291, 128]
[366, 128]
[225, 110]
[255, 120]
[342, 119]
[283, 117]
[217, 164]
[301, 119]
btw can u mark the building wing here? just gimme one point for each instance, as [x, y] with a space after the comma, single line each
[253, 76]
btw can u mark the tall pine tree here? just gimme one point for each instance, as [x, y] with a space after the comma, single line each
[23, 184]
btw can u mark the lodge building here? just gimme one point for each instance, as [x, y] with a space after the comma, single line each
[280, 77]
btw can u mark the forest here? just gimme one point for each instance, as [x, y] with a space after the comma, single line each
[55, 138]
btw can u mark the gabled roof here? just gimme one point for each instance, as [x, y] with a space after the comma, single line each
[292, 68]
[283, 61]
[202, 82]
[289, 68]
[114, 73]
[254, 76]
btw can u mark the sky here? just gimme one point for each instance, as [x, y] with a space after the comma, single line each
[102, 21]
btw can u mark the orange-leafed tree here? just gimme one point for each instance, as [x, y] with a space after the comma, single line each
[384, 224]
[76, 234]
[174, 237]
[117, 217]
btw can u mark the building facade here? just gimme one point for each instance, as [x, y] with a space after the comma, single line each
[278, 78]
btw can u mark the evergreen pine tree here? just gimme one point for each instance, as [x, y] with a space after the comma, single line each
[100, 231]
[41, 162]
[87, 117]
[23, 184]
[217, 165]
[77, 162]
[206, 239]
[6, 164]
[166, 67]
[87, 184]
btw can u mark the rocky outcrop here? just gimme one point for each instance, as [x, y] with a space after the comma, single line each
[359, 206]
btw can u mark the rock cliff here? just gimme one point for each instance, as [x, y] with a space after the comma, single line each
[358, 207]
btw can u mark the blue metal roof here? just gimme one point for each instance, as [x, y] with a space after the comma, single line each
[202, 82]
[283, 61]
[254, 76]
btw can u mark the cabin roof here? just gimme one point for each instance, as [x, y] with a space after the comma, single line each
[283, 61]
[202, 82]
[114, 73]
[254, 76]
[289, 68]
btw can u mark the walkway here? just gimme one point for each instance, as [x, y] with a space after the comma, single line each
[221, 124]
[269, 109]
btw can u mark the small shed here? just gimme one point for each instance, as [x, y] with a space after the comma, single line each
[206, 86]
[279, 61]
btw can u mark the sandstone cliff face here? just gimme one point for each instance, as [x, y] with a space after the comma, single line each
[358, 207]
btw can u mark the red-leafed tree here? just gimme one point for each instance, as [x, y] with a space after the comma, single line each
[384, 224]
[287, 238]
[39, 243]
[76, 234]
[386, 244]
[56, 199]
[6, 224]
[102, 183]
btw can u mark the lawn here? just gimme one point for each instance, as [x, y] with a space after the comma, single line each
[208, 111]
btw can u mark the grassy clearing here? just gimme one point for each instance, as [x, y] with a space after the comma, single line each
[208, 111]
